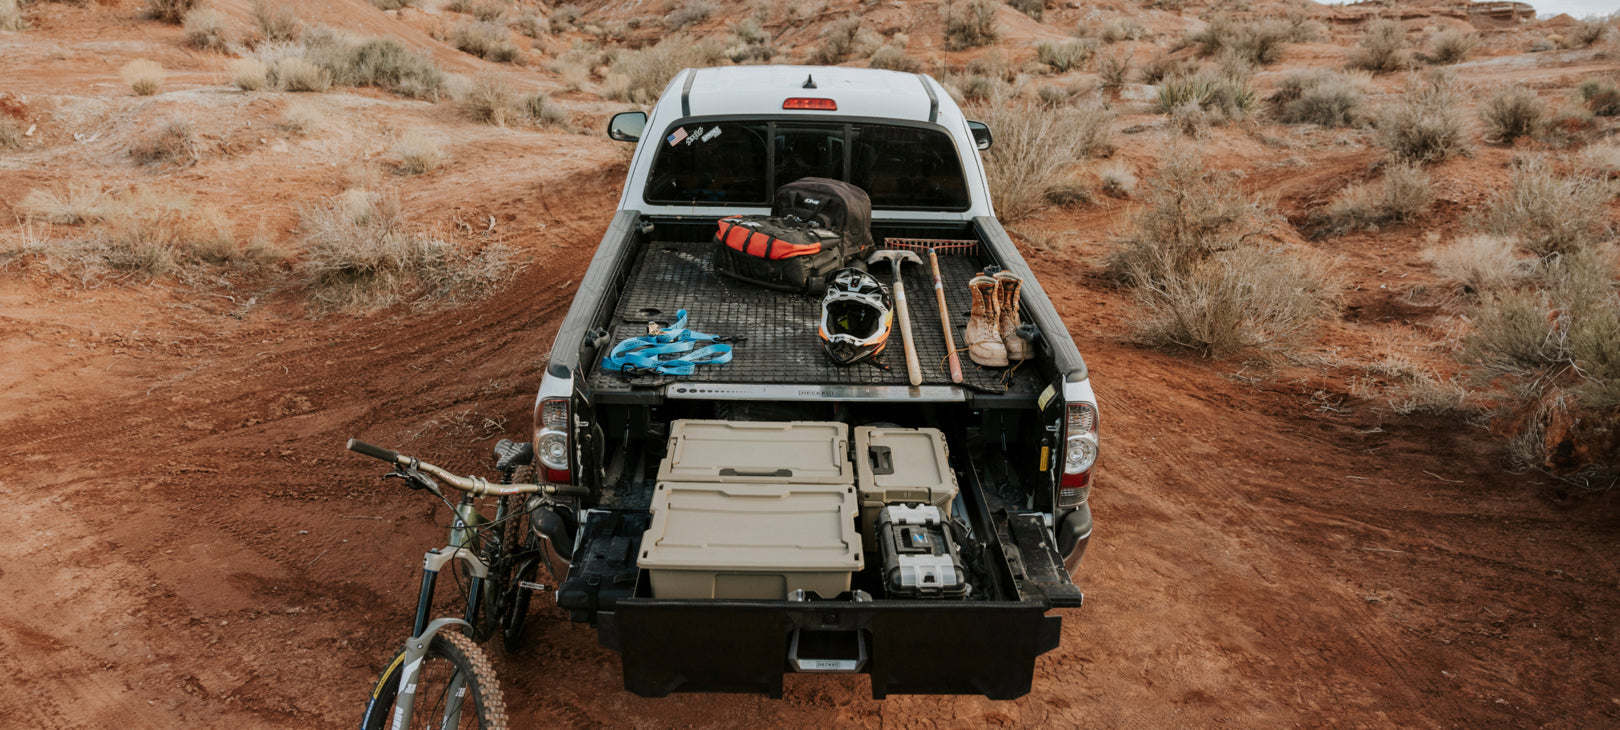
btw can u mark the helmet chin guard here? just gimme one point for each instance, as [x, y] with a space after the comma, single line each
[856, 315]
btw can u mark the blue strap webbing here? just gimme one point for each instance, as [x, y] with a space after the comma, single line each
[636, 355]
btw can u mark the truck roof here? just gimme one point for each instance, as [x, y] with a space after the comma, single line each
[749, 90]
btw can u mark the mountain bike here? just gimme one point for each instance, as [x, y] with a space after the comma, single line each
[497, 560]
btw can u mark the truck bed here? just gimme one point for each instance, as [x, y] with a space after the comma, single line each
[782, 347]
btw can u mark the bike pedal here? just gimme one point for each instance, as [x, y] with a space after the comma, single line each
[533, 586]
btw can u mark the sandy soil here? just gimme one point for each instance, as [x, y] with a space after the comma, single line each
[191, 546]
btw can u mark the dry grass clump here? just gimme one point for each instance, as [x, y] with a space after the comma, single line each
[11, 134]
[11, 16]
[540, 110]
[1259, 42]
[1064, 56]
[276, 23]
[1603, 160]
[1426, 124]
[300, 120]
[206, 31]
[1600, 96]
[1033, 8]
[146, 233]
[894, 58]
[1326, 98]
[690, 13]
[640, 76]
[1586, 33]
[1188, 216]
[1411, 387]
[173, 143]
[1035, 149]
[324, 57]
[1479, 264]
[1511, 113]
[1403, 195]
[1117, 179]
[75, 204]
[1383, 50]
[1112, 68]
[170, 11]
[1453, 46]
[490, 100]
[418, 153]
[489, 41]
[843, 38]
[970, 24]
[248, 74]
[295, 73]
[143, 76]
[1206, 97]
[1549, 214]
[360, 255]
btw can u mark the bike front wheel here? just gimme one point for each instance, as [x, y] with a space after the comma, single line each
[455, 688]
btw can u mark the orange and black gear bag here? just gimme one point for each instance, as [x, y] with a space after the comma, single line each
[816, 226]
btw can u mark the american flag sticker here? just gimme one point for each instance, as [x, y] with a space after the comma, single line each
[677, 136]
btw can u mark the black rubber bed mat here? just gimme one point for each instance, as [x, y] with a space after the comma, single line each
[782, 345]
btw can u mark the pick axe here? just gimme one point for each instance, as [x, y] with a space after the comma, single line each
[896, 259]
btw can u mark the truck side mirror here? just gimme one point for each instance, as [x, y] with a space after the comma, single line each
[627, 126]
[981, 135]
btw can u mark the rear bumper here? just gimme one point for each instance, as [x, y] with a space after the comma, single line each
[1073, 534]
[909, 647]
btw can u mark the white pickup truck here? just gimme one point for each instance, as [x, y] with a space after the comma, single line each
[1017, 444]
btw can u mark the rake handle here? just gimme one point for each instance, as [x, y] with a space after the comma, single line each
[945, 319]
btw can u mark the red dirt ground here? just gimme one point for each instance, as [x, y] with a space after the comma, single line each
[191, 546]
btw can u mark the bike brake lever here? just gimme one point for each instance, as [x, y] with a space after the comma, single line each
[415, 480]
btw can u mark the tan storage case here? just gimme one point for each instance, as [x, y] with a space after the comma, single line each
[901, 466]
[751, 541]
[757, 452]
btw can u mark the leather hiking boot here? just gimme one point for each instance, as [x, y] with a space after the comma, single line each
[1008, 287]
[983, 333]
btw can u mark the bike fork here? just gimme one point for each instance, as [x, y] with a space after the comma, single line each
[415, 651]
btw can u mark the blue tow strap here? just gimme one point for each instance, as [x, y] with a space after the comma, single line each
[639, 355]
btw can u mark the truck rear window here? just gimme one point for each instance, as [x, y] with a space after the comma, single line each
[743, 162]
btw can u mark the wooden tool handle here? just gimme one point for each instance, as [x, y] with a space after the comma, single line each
[945, 319]
[912, 368]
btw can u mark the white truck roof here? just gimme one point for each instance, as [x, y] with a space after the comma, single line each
[859, 92]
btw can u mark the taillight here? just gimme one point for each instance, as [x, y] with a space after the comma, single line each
[1079, 454]
[551, 439]
[820, 105]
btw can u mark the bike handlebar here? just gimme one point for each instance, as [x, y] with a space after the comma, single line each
[474, 485]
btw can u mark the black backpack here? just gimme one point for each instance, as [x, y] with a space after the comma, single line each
[816, 226]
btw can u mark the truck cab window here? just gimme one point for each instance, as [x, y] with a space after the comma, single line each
[716, 164]
[907, 167]
[803, 152]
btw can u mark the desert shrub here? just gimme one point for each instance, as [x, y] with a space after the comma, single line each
[11, 134]
[418, 153]
[386, 64]
[1425, 125]
[1063, 55]
[170, 11]
[1454, 46]
[1117, 179]
[489, 12]
[174, 142]
[489, 100]
[970, 24]
[539, 109]
[1247, 297]
[1478, 263]
[531, 24]
[1033, 8]
[976, 87]
[1602, 160]
[1403, 194]
[894, 58]
[153, 233]
[394, 4]
[1586, 32]
[1034, 149]
[1601, 96]
[248, 74]
[639, 76]
[1112, 68]
[1163, 65]
[748, 30]
[143, 76]
[1324, 98]
[361, 255]
[690, 13]
[485, 40]
[1383, 50]
[1188, 216]
[1115, 31]
[1259, 42]
[276, 23]
[1223, 97]
[75, 204]
[563, 18]
[295, 73]
[205, 30]
[300, 120]
[838, 40]
[1511, 113]
[1549, 214]
[11, 16]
